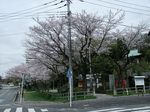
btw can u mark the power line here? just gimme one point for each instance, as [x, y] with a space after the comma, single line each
[143, 6]
[53, 16]
[7, 20]
[32, 18]
[9, 16]
[134, 27]
[20, 33]
[116, 8]
[45, 12]
[12, 34]
[123, 6]
[29, 8]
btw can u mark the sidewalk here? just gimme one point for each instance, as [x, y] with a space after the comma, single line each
[99, 97]
[103, 96]
[101, 102]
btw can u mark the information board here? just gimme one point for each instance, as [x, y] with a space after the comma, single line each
[139, 80]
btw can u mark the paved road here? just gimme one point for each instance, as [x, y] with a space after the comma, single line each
[110, 104]
[145, 108]
[100, 103]
[115, 101]
[7, 95]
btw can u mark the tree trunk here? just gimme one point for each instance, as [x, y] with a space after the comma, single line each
[85, 82]
[120, 78]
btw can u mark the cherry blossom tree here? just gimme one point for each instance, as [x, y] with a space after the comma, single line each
[47, 44]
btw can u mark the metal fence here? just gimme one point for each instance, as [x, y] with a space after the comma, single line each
[130, 91]
[76, 95]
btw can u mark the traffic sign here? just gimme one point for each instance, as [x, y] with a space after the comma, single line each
[69, 73]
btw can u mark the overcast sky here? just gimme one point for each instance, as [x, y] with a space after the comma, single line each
[15, 21]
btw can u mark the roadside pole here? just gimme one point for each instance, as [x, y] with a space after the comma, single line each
[92, 80]
[70, 80]
[70, 92]
[21, 91]
[70, 73]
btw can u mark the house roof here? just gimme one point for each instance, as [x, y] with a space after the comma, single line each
[133, 53]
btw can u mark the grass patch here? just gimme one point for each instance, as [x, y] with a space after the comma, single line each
[35, 96]
[39, 96]
[53, 97]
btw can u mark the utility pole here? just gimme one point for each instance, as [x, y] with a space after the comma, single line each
[91, 82]
[90, 60]
[70, 52]
[21, 91]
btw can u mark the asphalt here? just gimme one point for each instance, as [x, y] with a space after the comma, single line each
[103, 101]
[7, 95]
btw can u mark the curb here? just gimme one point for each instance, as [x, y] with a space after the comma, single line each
[16, 97]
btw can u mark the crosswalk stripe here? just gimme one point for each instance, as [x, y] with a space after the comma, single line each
[19, 109]
[7, 110]
[105, 110]
[31, 110]
[44, 110]
[131, 109]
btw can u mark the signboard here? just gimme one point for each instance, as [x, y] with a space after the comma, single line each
[139, 80]
[69, 73]
[70, 78]
[80, 84]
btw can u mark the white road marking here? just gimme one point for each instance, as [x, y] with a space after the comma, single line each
[138, 109]
[19, 109]
[7, 110]
[142, 111]
[31, 110]
[105, 110]
[131, 109]
[44, 110]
